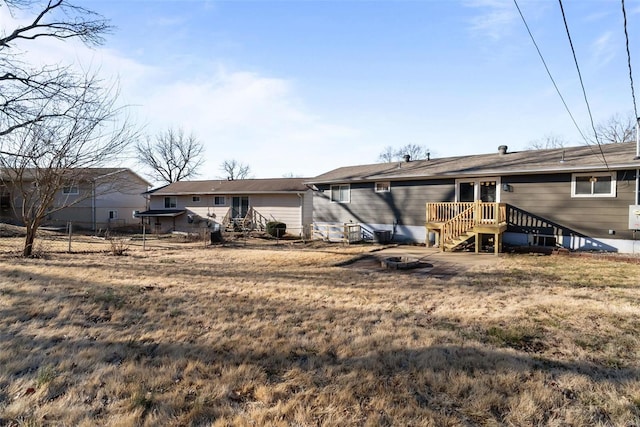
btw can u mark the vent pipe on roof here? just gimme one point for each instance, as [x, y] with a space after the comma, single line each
[502, 150]
[407, 158]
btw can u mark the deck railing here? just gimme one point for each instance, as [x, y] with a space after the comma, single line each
[483, 212]
[459, 224]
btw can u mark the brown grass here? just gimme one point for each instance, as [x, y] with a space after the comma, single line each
[281, 336]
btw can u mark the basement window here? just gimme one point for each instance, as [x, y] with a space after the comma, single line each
[383, 187]
[340, 193]
[593, 184]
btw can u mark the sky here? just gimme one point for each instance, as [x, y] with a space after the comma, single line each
[300, 87]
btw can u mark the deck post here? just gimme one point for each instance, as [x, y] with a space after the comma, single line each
[478, 242]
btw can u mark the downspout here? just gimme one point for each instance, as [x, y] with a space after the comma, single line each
[93, 204]
[301, 196]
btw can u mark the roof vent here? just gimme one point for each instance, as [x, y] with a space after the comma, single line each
[407, 158]
[502, 149]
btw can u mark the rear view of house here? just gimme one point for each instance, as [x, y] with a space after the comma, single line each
[239, 204]
[578, 197]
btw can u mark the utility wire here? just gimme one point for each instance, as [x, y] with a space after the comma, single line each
[549, 72]
[626, 36]
[524, 21]
[584, 92]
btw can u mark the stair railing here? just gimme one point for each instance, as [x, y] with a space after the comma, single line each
[458, 225]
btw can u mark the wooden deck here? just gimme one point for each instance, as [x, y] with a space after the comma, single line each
[454, 223]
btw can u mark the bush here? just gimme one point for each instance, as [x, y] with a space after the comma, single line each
[276, 228]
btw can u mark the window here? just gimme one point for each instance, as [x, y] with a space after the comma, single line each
[219, 201]
[70, 189]
[170, 202]
[383, 187]
[593, 185]
[113, 214]
[340, 193]
[5, 200]
[195, 199]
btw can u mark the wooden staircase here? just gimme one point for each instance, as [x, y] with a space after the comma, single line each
[455, 223]
[253, 220]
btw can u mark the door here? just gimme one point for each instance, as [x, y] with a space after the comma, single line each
[239, 206]
[481, 190]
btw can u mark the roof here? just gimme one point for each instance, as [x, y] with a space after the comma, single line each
[240, 186]
[87, 174]
[568, 159]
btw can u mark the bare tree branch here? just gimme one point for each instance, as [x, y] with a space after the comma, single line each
[617, 129]
[234, 170]
[550, 140]
[24, 88]
[173, 156]
[414, 151]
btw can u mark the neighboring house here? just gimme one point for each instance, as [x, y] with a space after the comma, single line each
[97, 198]
[576, 197]
[241, 204]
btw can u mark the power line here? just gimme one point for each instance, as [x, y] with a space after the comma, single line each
[584, 92]
[524, 21]
[626, 36]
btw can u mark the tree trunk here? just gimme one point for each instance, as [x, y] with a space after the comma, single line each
[28, 242]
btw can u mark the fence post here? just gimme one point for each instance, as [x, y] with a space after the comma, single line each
[69, 226]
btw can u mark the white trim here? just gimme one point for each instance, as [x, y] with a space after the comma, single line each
[612, 192]
[72, 190]
[386, 186]
[348, 200]
[476, 186]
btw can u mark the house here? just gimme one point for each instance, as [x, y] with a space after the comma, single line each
[241, 204]
[576, 197]
[93, 198]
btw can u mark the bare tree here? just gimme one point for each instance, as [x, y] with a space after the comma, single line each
[172, 156]
[617, 129]
[234, 170]
[387, 155]
[414, 151]
[55, 124]
[550, 140]
[63, 152]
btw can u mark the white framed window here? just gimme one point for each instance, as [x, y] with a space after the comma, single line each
[113, 214]
[593, 184]
[383, 187]
[341, 193]
[70, 189]
[195, 199]
[170, 202]
[219, 201]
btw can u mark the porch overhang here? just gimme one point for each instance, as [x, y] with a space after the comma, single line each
[166, 213]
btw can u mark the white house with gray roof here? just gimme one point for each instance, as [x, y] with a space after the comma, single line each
[246, 204]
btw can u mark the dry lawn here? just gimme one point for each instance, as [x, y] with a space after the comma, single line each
[282, 336]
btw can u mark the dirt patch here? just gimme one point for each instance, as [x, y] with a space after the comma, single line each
[430, 261]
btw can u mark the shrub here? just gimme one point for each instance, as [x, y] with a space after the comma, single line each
[276, 228]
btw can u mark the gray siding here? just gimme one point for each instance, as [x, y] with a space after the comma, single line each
[548, 199]
[405, 203]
